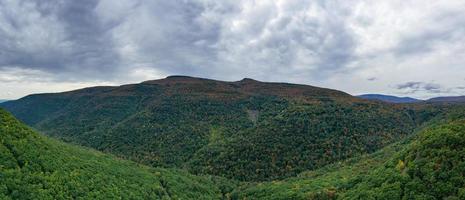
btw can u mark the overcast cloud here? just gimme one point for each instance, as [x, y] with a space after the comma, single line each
[399, 47]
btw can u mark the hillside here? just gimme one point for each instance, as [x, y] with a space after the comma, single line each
[33, 166]
[429, 165]
[244, 130]
[323, 183]
[319, 147]
[456, 99]
[426, 165]
[390, 99]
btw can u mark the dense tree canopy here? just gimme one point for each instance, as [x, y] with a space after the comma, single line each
[35, 167]
[282, 141]
[246, 130]
[427, 165]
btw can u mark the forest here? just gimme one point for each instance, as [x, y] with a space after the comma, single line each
[191, 138]
[205, 126]
[33, 166]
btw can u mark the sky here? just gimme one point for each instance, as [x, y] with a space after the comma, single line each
[400, 47]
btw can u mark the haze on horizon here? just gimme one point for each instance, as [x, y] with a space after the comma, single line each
[397, 47]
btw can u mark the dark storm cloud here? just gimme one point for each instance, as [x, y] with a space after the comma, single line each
[106, 39]
[323, 42]
[234, 39]
[94, 46]
[296, 39]
[63, 37]
[167, 35]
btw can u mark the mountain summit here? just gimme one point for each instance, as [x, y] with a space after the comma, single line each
[245, 130]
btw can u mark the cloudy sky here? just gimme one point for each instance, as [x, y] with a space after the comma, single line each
[400, 47]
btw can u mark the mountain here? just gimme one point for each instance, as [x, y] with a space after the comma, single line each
[33, 166]
[452, 99]
[388, 98]
[427, 165]
[283, 141]
[245, 130]
[3, 100]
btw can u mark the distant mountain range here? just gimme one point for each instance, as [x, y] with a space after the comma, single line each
[3, 100]
[390, 99]
[395, 99]
[454, 99]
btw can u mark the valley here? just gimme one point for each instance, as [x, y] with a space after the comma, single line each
[206, 139]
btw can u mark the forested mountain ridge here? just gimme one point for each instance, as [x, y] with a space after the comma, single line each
[451, 99]
[389, 98]
[245, 130]
[33, 166]
[426, 165]
[34, 108]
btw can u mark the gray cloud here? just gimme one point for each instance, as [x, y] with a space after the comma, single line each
[55, 36]
[447, 27]
[316, 42]
[413, 87]
[95, 39]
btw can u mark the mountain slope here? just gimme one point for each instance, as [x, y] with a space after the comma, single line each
[429, 165]
[246, 130]
[388, 98]
[323, 183]
[456, 99]
[35, 167]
